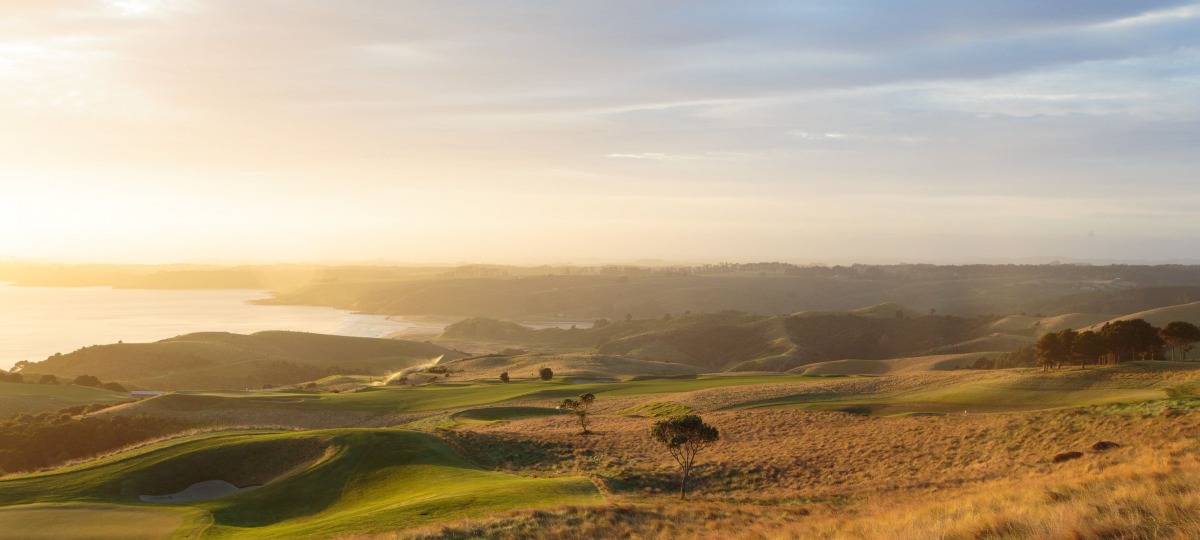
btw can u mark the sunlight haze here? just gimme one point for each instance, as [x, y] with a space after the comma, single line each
[177, 130]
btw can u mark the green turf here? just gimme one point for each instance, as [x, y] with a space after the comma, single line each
[349, 481]
[93, 522]
[499, 414]
[18, 398]
[446, 395]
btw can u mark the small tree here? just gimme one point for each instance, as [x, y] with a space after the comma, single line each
[117, 387]
[684, 437]
[545, 374]
[86, 380]
[504, 376]
[48, 379]
[579, 408]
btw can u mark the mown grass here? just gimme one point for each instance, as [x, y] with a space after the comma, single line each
[365, 481]
[441, 395]
[92, 522]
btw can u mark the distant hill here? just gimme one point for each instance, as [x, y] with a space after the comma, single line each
[1161, 316]
[220, 360]
[732, 341]
[1117, 302]
[35, 398]
[1045, 290]
[526, 366]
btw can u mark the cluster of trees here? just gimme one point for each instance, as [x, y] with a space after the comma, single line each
[30, 442]
[1116, 342]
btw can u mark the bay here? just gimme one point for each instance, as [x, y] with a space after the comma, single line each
[37, 322]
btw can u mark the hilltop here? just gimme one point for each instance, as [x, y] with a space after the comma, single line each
[215, 360]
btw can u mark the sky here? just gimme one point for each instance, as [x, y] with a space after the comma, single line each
[157, 131]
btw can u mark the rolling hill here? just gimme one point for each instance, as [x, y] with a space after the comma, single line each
[1160, 316]
[214, 360]
[733, 341]
[34, 398]
[314, 484]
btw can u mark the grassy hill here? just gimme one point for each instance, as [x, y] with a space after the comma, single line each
[940, 362]
[644, 292]
[313, 485]
[34, 398]
[499, 456]
[1161, 316]
[564, 365]
[214, 360]
[734, 341]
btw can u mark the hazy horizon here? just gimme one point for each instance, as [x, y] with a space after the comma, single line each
[163, 131]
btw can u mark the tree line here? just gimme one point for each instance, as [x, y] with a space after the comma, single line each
[1116, 342]
[82, 380]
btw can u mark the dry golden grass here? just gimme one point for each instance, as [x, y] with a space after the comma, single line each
[1161, 316]
[938, 362]
[775, 455]
[793, 474]
[1147, 494]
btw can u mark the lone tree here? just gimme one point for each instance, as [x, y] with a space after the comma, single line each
[87, 380]
[579, 407]
[684, 436]
[545, 374]
[504, 376]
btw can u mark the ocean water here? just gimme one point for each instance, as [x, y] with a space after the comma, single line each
[36, 322]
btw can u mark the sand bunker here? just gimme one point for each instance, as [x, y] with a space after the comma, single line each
[200, 491]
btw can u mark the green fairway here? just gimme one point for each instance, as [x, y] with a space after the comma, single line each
[445, 395]
[314, 484]
[34, 398]
[89, 522]
[499, 414]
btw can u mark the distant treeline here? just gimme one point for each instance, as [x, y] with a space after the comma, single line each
[31, 442]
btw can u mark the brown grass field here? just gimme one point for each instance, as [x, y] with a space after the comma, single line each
[801, 474]
[789, 473]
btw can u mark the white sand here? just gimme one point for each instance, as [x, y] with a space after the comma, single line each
[200, 491]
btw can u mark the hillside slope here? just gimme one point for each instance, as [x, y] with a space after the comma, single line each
[399, 479]
[732, 341]
[212, 360]
[1161, 316]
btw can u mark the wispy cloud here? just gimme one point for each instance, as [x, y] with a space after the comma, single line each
[775, 101]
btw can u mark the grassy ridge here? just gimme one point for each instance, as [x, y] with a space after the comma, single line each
[211, 360]
[34, 398]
